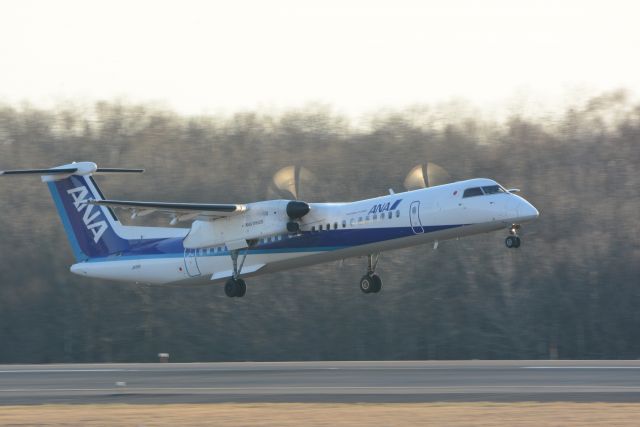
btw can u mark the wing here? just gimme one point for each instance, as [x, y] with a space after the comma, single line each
[178, 211]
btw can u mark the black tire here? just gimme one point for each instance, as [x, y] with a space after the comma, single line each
[517, 242]
[510, 242]
[230, 288]
[377, 282]
[366, 284]
[241, 288]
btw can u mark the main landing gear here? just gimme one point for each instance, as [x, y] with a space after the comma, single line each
[235, 286]
[371, 282]
[513, 241]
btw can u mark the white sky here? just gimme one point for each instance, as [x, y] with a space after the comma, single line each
[210, 56]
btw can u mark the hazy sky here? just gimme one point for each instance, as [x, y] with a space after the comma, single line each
[199, 56]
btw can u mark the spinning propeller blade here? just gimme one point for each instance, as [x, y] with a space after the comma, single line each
[427, 175]
[288, 181]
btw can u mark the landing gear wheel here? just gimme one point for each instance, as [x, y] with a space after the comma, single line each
[377, 281]
[235, 288]
[370, 283]
[230, 288]
[367, 284]
[512, 242]
[242, 288]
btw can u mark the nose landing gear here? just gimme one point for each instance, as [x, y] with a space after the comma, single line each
[371, 282]
[513, 241]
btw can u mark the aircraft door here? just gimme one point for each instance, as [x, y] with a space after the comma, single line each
[414, 217]
[191, 262]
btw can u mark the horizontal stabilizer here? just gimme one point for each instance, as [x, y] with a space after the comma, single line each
[118, 170]
[64, 171]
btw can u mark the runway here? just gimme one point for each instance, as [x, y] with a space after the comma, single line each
[406, 381]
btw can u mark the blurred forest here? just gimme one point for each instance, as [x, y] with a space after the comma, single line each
[571, 291]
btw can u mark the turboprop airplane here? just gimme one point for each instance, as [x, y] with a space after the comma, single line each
[226, 242]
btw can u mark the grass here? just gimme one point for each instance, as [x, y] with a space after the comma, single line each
[320, 414]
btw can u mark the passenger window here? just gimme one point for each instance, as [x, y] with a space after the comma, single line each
[493, 189]
[360, 220]
[328, 227]
[366, 220]
[375, 216]
[352, 222]
[344, 223]
[335, 225]
[472, 192]
[320, 227]
[397, 214]
[390, 214]
[313, 228]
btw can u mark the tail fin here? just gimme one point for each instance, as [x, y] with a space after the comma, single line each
[92, 230]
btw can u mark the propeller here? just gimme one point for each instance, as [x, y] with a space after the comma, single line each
[286, 184]
[427, 175]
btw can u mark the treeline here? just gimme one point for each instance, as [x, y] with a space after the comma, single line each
[571, 291]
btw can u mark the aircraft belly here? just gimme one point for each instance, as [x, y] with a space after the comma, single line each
[212, 265]
[155, 271]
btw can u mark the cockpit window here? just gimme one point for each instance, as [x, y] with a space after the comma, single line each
[493, 189]
[470, 192]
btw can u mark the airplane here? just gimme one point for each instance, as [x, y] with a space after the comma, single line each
[227, 242]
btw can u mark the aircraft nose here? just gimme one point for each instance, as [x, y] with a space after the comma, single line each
[527, 212]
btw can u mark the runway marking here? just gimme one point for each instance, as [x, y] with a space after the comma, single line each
[580, 367]
[66, 371]
[293, 369]
[466, 389]
[421, 368]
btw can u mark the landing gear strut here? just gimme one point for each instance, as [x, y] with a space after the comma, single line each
[235, 286]
[371, 282]
[513, 241]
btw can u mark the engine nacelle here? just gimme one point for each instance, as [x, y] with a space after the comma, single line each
[261, 219]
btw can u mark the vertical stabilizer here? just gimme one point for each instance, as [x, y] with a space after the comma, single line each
[90, 228]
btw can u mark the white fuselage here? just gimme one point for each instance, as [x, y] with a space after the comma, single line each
[330, 231]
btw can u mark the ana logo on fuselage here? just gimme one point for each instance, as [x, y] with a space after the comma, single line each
[97, 228]
[384, 207]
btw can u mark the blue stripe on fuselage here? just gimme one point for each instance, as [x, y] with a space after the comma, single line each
[306, 242]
